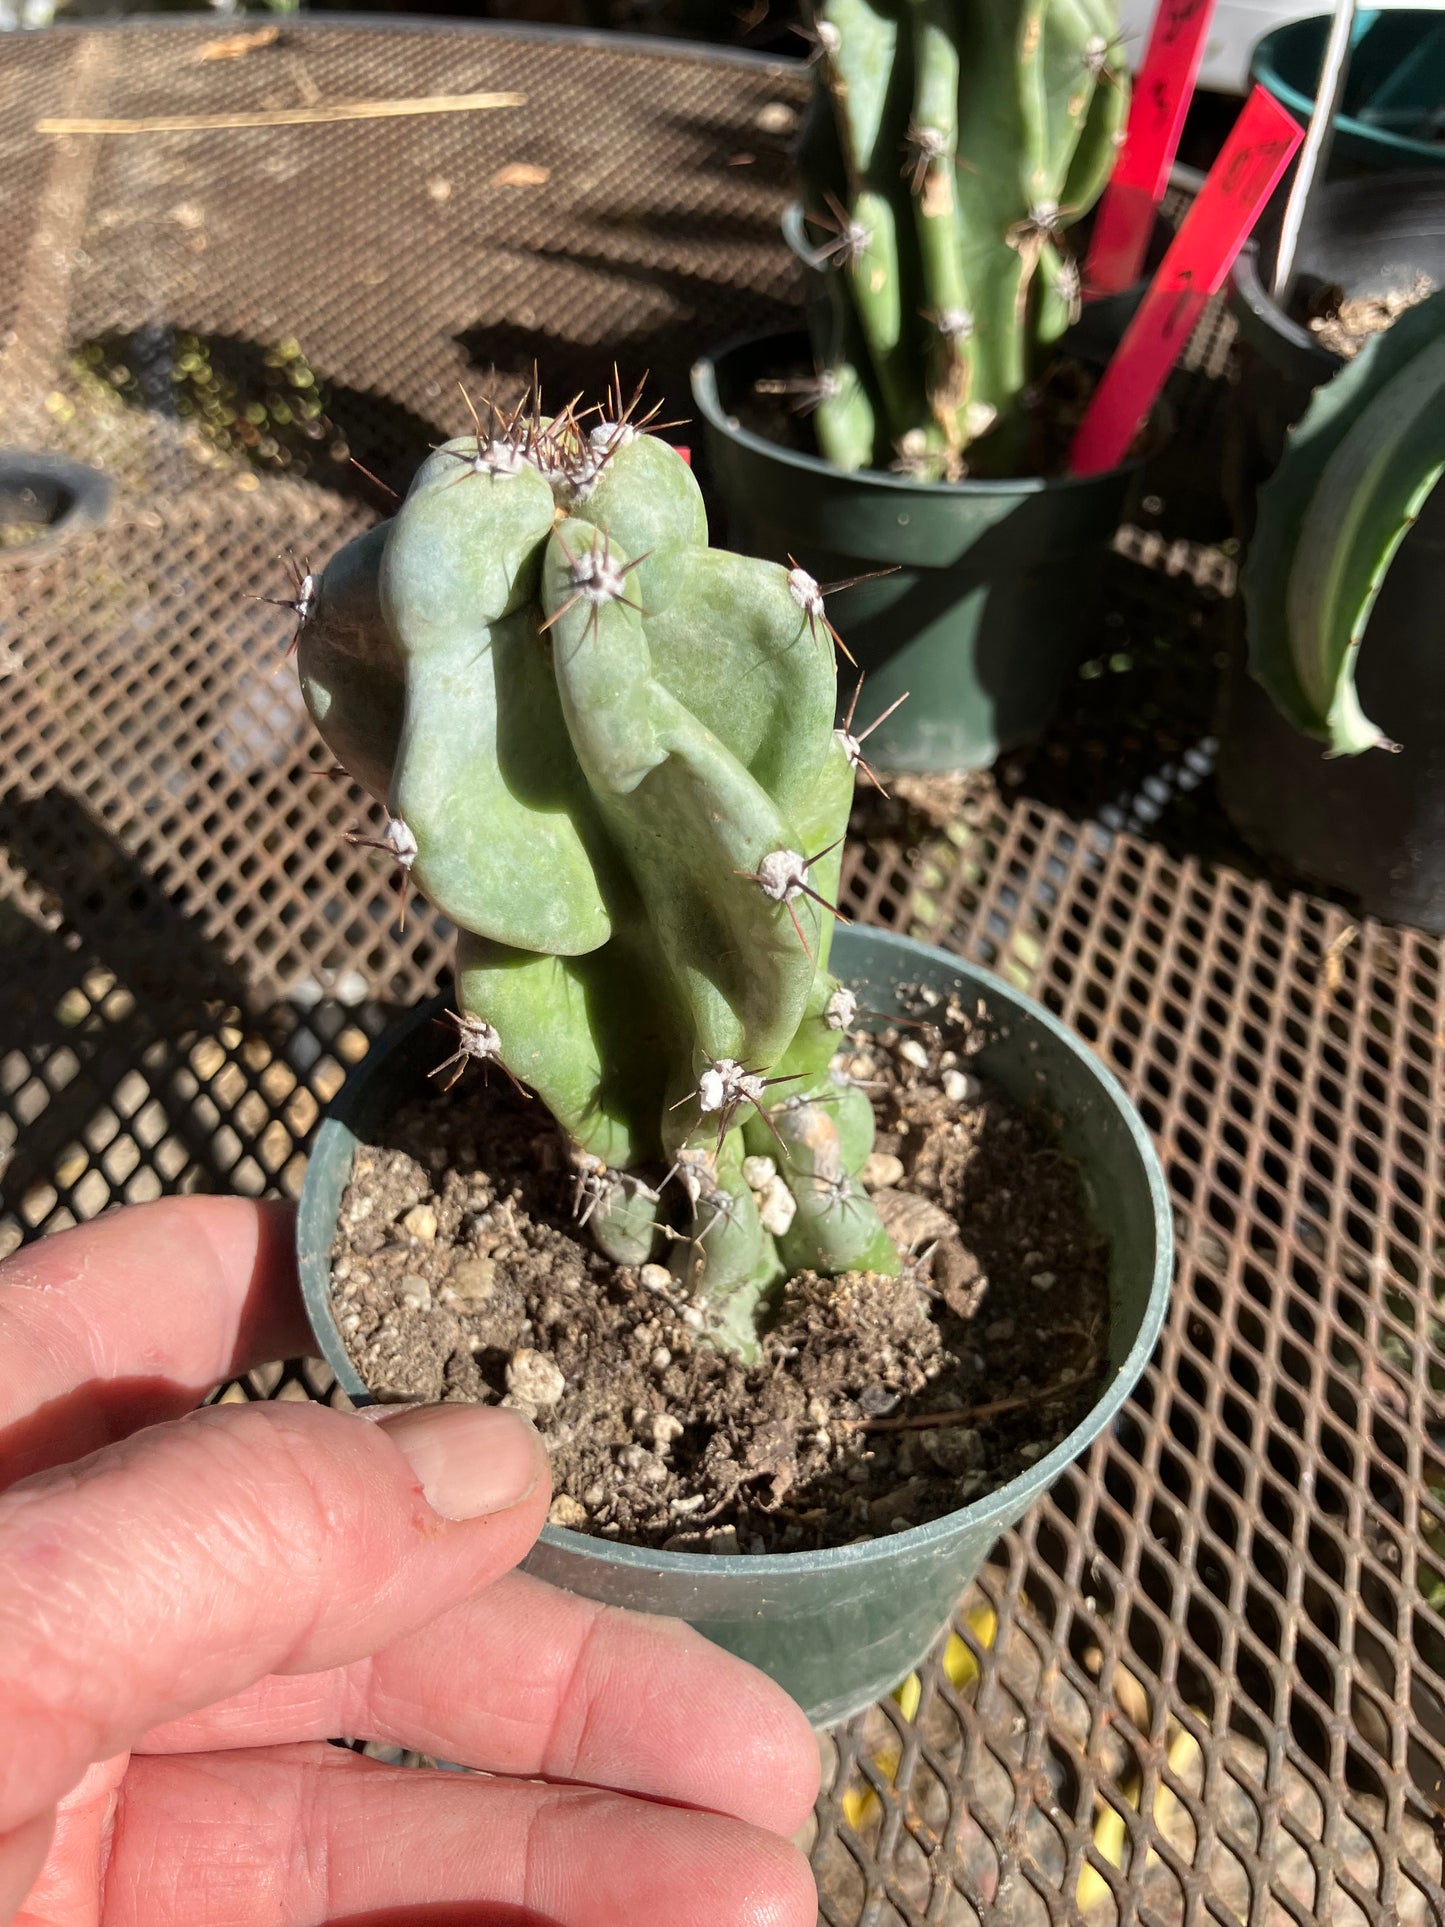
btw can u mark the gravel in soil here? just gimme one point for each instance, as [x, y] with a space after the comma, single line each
[1344, 325]
[458, 1273]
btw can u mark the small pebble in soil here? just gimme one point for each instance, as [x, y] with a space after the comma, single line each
[473, 1280]
[777, 1207]
[881, 1171]
[534, 1379]
[952, 1448]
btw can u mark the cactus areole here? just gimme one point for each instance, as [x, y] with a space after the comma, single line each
[606, 752]
[950, 146]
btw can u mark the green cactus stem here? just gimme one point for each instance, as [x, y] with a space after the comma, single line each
[950, 276]
[607, 754]
[1357, 470]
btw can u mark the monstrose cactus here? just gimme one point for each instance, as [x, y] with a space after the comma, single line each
[1357, 469]
[950, 144]
[607, 755]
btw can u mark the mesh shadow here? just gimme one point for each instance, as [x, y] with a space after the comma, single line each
[123, 980]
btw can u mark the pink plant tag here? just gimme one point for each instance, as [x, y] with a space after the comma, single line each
[1160, 101]
[1201, 254]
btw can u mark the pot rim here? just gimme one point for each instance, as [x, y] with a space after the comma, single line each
[89, 492]
[709, 403]
[1246, 284]
[1025, 1487]
[1264, 69]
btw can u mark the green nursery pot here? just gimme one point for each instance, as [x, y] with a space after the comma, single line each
[998, 584]
[1393, 111]
[837, 1629]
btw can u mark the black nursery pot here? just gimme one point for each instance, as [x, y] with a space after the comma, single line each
[1372, 826]
[839, 1628]
[47, 500]
[997, 588]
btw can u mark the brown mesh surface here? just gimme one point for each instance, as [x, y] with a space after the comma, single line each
[1211, 1665]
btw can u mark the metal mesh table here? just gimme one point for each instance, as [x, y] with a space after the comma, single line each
[1205, 1681]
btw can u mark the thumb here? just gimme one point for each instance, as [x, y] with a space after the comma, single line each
[192, 1559]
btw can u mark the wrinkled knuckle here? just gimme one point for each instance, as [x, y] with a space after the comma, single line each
[291, 1467]
[565, 1749]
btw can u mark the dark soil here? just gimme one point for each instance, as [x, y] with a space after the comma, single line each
[1345, 325]
[878, 1404]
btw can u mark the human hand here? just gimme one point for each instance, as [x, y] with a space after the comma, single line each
[193, 1602]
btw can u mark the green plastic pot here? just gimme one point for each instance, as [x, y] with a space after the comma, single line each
[840, 1628]
[997, 589]
[1393, 113]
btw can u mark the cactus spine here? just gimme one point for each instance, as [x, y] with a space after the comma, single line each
[949, 147]
[607, 754]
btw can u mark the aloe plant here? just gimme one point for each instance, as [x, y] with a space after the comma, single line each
[607, 754]
[950, 146]
[1355, 474]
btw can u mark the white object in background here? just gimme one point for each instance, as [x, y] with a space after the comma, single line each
[1314, 158]
[15, 14]
[1236, 30]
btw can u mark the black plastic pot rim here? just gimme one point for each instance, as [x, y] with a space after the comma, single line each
[1246, 283]
[705, 394]
[88, 493]
[1027, 1486]
[1247, 287]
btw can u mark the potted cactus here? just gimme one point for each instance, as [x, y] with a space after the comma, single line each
[950, 151]
[606, 752]
[1348, 546]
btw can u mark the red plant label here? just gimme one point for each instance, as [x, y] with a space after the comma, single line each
[1201, 254]
[1162, 92]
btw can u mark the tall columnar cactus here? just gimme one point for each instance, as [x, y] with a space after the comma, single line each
[607, 755]
[1358, 467]
[949, 147]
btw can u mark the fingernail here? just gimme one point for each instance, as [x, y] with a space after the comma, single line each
[470, 1459]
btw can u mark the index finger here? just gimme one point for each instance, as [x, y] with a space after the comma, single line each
[130, 1320]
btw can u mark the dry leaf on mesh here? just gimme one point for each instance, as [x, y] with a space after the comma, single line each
[234, 46]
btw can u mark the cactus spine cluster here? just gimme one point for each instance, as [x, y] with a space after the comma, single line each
[607, 755]
[950, 145]
[1357, 470]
